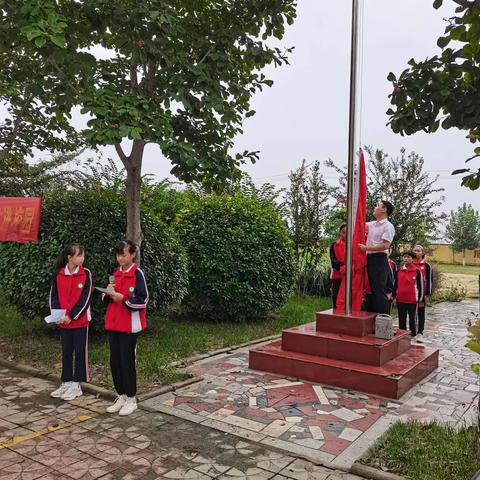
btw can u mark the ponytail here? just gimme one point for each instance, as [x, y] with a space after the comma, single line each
[62, 258]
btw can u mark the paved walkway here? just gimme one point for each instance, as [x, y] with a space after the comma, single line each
[44, 438]
[236, 423]
[329, 425]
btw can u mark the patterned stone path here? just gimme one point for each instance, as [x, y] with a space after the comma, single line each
[329, 425]
[44, 438]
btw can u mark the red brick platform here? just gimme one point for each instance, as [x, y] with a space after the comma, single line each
[341, 350]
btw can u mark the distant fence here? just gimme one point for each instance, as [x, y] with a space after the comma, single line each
[444, 253]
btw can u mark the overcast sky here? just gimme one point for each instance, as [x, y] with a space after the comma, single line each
[305, 113]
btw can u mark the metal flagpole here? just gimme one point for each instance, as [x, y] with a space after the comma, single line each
[352, 144]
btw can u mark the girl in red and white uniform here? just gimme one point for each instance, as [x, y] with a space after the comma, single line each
[337, 260]
[124, 320]
[407, 293]
[71, 290]
[426, 269]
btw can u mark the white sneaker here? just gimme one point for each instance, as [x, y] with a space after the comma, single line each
[129, 407]
[60, 390]
[419, 337]
[119, 403]
[73, 391]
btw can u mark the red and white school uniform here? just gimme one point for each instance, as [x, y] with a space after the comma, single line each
[72, 291]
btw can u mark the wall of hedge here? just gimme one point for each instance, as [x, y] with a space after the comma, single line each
[241, 261]
[95, 219]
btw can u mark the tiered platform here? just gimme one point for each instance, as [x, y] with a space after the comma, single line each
[341, 350]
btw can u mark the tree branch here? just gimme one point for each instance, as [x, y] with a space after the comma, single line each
[125, 160]
[467, 4]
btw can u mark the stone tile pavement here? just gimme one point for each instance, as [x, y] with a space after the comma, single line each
[328, 425]
[45, 438]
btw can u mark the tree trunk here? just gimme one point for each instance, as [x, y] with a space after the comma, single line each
[133, 166]
[463, 258]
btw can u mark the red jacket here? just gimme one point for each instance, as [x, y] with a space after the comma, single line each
[408, 287]
[337, 258]
[426, 270]
[72, 292]
[130, 314]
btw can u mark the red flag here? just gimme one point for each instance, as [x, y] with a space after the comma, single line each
[359, 258]
[19, 219]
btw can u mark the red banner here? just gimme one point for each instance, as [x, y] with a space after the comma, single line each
[19, 219]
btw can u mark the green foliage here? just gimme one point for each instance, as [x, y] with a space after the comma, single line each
[331, 227]
[426, 451]
[444, 90]
[313, 273]
[403, 182]
[241, 262]
[455, 293]
[179, 74]
[95, 219]
[463, 229]
[307, 205]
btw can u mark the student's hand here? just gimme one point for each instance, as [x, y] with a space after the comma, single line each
[421, 304]
[116, 297]
[389, 295]
[111, 286]
[362, 247]
[66, 320]
[394, 301]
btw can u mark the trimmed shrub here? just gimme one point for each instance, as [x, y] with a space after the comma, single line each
[95, 219]
[241, 262]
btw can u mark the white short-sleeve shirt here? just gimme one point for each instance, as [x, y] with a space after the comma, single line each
[378, 232]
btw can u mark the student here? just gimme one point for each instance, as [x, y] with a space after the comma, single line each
[391, 281]
[426, 269]
[337, 260]
[125, 318]
[71, 289]
[380, 234]
[408, 292]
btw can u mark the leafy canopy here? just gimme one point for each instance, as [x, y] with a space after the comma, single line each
[463, 229]
[412, 191]
[177, 73]
[444, 90]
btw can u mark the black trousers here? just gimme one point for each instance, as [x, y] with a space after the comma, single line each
[411, 310]
[122, 362]
[74, 342]
[335, 288]
[421, 319]
[379, 277]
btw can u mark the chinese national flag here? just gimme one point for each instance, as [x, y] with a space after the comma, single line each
[19, 219]
[359, 258]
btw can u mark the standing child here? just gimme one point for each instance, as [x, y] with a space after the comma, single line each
[426, 269]
[71, 289]
[125, 318]
[337, 260]
[408, 291]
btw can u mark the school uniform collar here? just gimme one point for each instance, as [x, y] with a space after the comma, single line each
[382, 221]
[128, 269]
[68, 273]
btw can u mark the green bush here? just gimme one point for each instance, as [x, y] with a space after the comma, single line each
[313, 273]
[96, 219]
[241, 262]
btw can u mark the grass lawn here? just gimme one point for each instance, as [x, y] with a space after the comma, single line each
[167, 339]
[465, 270]
[427, 452]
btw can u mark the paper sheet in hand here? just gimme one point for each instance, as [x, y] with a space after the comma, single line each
[55, 316]
[106, 290]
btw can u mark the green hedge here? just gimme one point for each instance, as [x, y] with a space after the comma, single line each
[96, 219]
[241, 262]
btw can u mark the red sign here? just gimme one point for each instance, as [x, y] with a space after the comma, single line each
[19, 219]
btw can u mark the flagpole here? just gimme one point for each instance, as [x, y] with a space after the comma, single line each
[352, 144]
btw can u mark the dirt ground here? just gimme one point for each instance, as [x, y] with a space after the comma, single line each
[470, 282]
